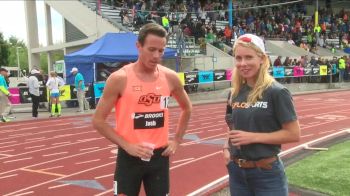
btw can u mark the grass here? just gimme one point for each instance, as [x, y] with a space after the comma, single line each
[326, 171]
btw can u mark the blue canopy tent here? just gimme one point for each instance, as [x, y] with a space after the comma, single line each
[112, 47]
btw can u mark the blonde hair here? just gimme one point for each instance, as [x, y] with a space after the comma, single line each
[264, 79]
[53, 74]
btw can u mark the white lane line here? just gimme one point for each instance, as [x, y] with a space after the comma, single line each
[183, 160]
[6, 155]
[8, 142]
[207, 123]
[59, 143]
[53, 154]
[308, 135]
[26, 128]
[206, 187]
[58, 186]
[324, 132]
[189, 132]
[2, 177]
[15, 160]
[20, 135]
[57, 179]
[214, 129]
[26, 193]
[30, 147]
[37, 138]
[105, 176]
[83, 149]
[46, 169]
[7, 150]
[87, 161]
[114, 157]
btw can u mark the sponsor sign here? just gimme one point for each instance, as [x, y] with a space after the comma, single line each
[219, 75]
[206, 76]
[191, 77]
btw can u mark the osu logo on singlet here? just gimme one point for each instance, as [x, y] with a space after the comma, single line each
[149, 99]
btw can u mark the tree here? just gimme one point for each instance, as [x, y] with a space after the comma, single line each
[4, 51]
[15, 43]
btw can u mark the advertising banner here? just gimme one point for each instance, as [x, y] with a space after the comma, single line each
[316, 71]
[307, 71]
[206, 76]
[288, 71]
[191, 77]
[219, 75]
[98, 89]
[323, 70]
[298, 71]
[278, 72]
[14, 98]
[228, 74]
[181, 75]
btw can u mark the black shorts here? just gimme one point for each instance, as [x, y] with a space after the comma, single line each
[131, 171]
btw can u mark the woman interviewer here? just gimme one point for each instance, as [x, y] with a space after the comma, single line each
[263, 117]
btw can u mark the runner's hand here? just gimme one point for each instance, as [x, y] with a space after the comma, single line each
[139, 150]
[171, 149]
[227, 155]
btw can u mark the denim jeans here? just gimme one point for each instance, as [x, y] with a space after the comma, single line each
[258, 181]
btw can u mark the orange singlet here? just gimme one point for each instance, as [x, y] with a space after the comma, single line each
[142, 110]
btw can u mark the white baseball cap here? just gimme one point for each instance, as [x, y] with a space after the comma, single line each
[257, 41]
[74, 69]
[34, 71]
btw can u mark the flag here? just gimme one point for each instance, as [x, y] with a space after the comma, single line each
[98, 7]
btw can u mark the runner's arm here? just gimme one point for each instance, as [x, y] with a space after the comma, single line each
[105, 105]
[183, 100]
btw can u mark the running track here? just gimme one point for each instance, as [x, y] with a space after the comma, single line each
[65, 156]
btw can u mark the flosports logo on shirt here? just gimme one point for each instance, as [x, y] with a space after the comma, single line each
[149, 99]
[258, 104]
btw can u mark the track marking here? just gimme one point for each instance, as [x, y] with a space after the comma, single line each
[308, 135]
[30, 147]
[6, 155]
[52, 168]
[18, 160]
[37, 138]
[183, 160]
[211, 130]
[2, 177]
[83, 149]
[57, 179]
[59, 143]
[8, 142]
[7, 150]
[58, 186]
[105, 176]
[20, 194]
[42, 172]
[53, 154]
[87, 161]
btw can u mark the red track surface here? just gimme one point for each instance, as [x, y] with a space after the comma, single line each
[39, 157]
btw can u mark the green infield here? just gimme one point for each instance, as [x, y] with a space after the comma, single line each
[325, 171]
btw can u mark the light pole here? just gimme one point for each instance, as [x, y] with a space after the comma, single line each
[18, 65]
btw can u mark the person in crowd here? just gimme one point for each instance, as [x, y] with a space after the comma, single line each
[341, 66]
[5, 104]
[262, 117]
[142, 120]
[79, 83]
[277, 62]
[54, 83]
[34, 92]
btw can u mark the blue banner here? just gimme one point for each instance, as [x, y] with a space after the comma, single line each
[278, 72]
[206, 76]
[98, 89]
